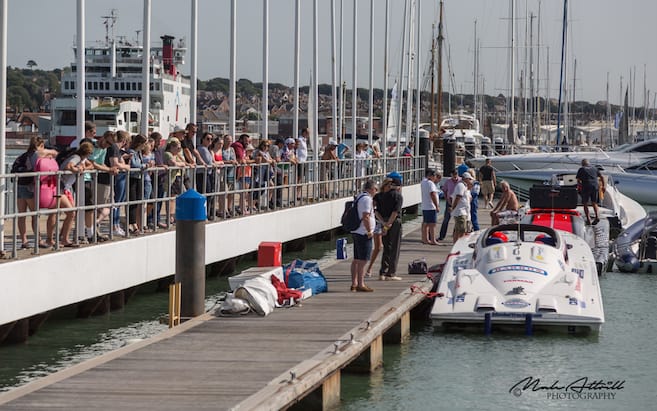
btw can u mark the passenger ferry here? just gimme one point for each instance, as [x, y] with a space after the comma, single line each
[113, 87]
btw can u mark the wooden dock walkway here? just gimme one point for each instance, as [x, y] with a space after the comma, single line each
[248, 362]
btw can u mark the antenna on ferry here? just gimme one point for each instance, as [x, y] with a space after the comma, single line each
[137, 41]
[109, 22]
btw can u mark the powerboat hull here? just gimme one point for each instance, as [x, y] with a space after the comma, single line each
[538, 278]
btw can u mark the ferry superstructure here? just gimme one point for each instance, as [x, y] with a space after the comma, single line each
[113, 87]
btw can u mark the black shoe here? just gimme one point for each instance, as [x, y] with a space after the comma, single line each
[595, 221]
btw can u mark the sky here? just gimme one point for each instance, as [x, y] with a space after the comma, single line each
[607, 38]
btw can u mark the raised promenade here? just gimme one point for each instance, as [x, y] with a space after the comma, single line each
[34, 285]
[248, 362]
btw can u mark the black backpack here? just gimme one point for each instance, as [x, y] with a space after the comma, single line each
[350, 219]
[20, 166]
[64, 155]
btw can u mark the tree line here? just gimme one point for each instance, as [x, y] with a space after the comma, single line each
[28, 89]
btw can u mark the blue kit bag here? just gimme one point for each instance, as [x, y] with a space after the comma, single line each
[301, 274]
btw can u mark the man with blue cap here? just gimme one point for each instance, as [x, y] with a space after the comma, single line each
[389, 211]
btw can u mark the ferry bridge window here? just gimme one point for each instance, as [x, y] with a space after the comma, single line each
[68, 118]
[103, 118]
[139, 86]
[89, 85]
[130, 116]
[101, 85]
[116, 86]
[122, 86]
[95, 85]
[107, 85]
[72, 85]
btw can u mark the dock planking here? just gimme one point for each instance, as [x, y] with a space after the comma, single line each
[243, 362]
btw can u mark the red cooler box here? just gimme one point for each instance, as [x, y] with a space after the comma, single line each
[270, 254]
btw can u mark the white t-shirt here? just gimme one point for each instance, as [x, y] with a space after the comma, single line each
[302, 150]
[365, 205]
[427, 187]
[463, 206]
[360, 157]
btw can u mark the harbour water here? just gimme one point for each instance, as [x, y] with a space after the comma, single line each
[436, 370]
[439, 370]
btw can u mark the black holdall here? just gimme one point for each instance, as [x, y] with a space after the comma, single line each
[418, 266]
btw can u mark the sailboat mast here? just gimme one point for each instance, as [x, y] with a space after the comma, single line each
[537, 96]
[572, 118]
[370, 130]
[440, 65]
[334, 76]
[297, 48]
[608, 114]
[418, 64]
[475, 73]
[531, 137]
[645, 104]
[354, 88]
[409, 78]
[510, 132]
[384, 128]
[401, 76]
[433, 74]
[561, 76]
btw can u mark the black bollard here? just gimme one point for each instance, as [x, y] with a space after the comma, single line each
[190, 252]
[449, 155]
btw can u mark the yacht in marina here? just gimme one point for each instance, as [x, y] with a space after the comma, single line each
[626, 157]
[113, 87]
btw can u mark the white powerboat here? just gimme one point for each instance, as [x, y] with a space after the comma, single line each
[521, 275]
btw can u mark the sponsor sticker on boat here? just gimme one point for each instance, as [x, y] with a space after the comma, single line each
[579, 272]
[517, 267]
[515, 303]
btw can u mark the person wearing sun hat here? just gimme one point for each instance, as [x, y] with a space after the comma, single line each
[461, 199]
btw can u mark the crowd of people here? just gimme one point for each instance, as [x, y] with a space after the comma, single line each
[130, 178]
[141, 172]
[380, 228]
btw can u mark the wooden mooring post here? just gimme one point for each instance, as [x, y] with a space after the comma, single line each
[174, 304]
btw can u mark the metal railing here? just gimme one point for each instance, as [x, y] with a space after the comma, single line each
[231, 191]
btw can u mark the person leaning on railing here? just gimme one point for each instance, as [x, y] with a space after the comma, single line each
[328, 167]
[25, 197]
[136, 183]
[174, 159]
[216, 150]
[205, 172]
[160, 184]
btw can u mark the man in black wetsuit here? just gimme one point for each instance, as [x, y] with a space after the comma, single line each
[588, 178]
[389, 211]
